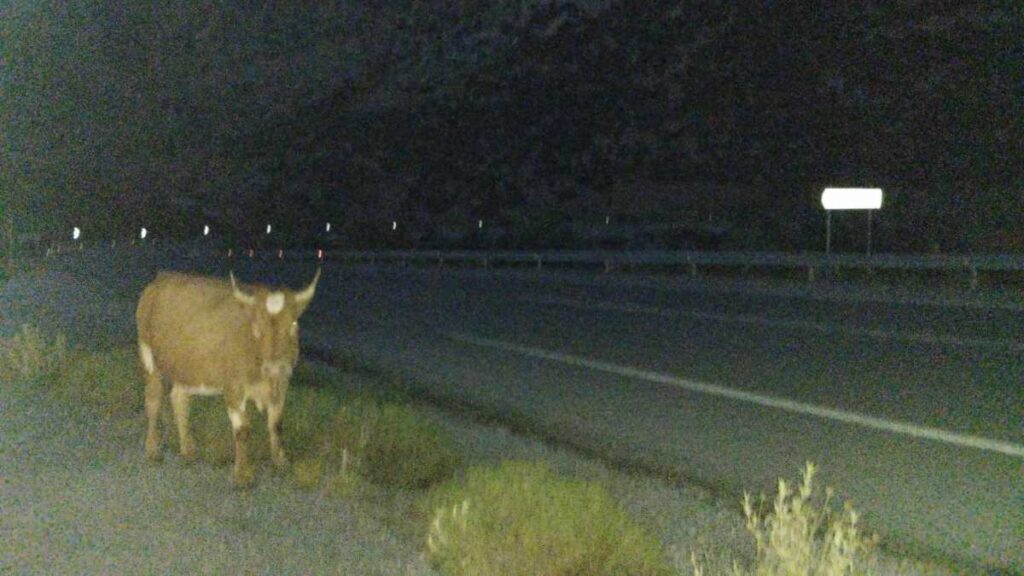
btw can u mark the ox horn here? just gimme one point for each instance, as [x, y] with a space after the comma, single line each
[242, 297]
[306, 294]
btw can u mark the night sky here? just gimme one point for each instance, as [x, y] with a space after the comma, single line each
[531, 116]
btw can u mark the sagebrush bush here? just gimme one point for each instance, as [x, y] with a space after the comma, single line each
[522, 519]
[388, 444]
[30, 355]
[804, 537]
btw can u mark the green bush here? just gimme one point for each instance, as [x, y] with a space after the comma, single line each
[520, 518]
[28, 355]
[389, 444]
[802, 537]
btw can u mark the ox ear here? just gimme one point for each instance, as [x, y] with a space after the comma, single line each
[239, 295]
[302, 297]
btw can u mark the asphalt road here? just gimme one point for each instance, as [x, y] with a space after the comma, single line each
[915, 412]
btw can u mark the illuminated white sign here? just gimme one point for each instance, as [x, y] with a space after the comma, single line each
[328, 227]
[394, 225]
[76, 233]
[268, 228]
[143, 232]
[206, 230]
[852, 198]
[479, 223]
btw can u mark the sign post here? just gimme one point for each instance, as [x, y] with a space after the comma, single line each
[869, 199]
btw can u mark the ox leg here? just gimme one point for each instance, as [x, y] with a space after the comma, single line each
[180, 402]
[154, 394]
[274, 413]
[244, 474]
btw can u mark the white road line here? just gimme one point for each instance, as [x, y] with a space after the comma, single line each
[824, 328]
[896, 427]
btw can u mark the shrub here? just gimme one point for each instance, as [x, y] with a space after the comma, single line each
[520, 518]
[28, 355]
[389, 444]
[405, 448]
[803, 538]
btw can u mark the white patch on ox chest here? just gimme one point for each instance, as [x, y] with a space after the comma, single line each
[146, 355]
[200, 390]
[275, 302]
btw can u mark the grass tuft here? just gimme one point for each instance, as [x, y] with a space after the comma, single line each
[107, 382]
[520, 518]
[384, 443]
[28, 355]
[802, 537]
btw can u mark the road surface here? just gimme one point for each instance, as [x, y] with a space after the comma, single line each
[913, 412]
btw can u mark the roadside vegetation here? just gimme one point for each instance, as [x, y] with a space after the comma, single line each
[519, 518]
[803, 535]
[476, 500]
[29, 355]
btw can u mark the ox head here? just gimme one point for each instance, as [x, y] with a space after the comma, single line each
[274, 326]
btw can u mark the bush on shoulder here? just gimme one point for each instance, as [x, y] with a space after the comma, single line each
[802, 536]
[520, 518]
[362, 439]
[29, 355]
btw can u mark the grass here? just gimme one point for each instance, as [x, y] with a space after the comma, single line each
[28, 355]
[804, 536]
[106, 382]
[339, 440]
[382, 442]
[521, 519]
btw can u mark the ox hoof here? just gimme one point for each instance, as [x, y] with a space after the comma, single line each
[153, 454]
[280, 461]
[243, 478]
[189, 454]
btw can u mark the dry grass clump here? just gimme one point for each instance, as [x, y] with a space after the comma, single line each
[521, 519]
[29, 355]
[803, 538]
[384, 443]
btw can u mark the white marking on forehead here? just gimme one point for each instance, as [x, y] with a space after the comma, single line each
[146, 355]
[275, 302]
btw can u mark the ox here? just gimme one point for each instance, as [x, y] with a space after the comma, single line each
[209, 336]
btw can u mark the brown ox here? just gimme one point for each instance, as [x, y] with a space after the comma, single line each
[210, 336]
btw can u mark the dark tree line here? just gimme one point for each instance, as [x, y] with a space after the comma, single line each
[527, 114]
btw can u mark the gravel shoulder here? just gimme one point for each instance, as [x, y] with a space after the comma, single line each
[78, 497]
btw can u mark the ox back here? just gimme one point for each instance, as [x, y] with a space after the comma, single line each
[205, 336]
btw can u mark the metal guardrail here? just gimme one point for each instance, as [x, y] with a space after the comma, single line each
[812, 264]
